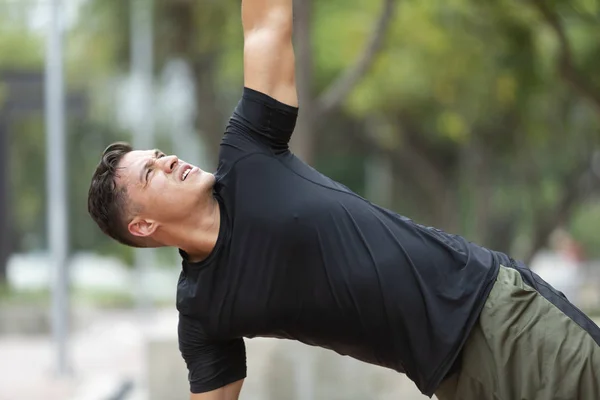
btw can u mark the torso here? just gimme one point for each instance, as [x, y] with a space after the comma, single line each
[302, 257]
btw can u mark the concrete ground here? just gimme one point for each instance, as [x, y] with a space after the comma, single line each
[103, 355]
[122, 356]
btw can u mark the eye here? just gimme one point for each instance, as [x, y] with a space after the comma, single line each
[159, 155]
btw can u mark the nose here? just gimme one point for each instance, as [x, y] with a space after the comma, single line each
[168, 163]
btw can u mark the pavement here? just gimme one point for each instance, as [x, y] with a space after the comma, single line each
[122, 355]
[109, 360]
[103, 356]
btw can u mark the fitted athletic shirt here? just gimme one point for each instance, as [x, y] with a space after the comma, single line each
[300, 256]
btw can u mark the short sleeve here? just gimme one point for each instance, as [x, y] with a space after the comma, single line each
[265, 119]
[211, 364]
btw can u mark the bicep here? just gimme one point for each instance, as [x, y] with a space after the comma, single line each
[212, 365]
[269, 63]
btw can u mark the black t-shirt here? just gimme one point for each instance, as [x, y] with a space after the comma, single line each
[300, 256]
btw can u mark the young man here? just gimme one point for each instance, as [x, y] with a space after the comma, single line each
[273, 248]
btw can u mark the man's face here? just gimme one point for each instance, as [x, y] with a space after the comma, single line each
[162, 189]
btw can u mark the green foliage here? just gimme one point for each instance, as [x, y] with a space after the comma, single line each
[98, 46]
[478, 80]
[19, 48]
[27, 161]
[103, 298]
[37, 297]
[25, 51]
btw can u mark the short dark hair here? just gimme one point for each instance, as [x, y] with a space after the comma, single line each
[107, 202]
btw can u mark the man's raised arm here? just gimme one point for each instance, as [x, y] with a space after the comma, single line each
[229, 392]
[269, 62]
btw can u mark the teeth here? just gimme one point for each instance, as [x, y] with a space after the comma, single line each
[185, 174]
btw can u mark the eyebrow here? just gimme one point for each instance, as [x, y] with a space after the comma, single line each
[148, 165]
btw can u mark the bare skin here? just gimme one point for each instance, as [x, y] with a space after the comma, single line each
[173, 202]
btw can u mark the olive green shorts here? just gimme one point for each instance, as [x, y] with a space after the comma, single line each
[525, 348]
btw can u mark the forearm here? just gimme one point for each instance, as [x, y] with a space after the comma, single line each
[229, 392]
[272, 14]
[269, 64]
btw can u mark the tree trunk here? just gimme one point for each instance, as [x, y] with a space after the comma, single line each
[4, 198]
[314, 110]
[566, 60]
[210, 120]
[183, 33]
[501, 233]
[302, 143]
[575, 190]
[379, 176]
[478, 185]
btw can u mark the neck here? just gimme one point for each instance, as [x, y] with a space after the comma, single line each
[198, 234]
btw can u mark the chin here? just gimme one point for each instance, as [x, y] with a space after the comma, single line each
[207, 178]
[206, 181]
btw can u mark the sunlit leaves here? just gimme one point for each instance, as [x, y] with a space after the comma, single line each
[340, 31]
[460, 78]
[506, 89]
[453, 126]
[20, 49]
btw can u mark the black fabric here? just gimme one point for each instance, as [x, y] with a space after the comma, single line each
[222, 361]
[301, 257]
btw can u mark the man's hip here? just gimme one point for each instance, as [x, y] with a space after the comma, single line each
[528, 344]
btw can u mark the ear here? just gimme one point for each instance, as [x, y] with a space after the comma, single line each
[142, 227]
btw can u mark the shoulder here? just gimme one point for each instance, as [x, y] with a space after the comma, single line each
[235, 149]
[261, 120]
[246, 165]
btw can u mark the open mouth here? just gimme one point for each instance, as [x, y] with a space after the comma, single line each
[186, 170]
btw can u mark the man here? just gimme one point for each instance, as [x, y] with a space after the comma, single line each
[273, 248]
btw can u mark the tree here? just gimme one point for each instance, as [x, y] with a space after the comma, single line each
[464, 100]
[316, 109]
[195, 36]
[23, 52]
[566, 64]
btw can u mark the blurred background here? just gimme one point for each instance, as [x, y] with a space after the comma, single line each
[479, 118]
